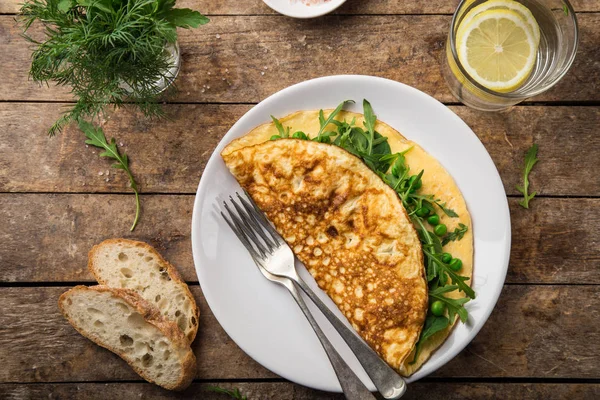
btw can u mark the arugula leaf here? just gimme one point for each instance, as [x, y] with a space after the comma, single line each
[456, 279]
[370, 120]
[399, 167]
[448, 211]
[431, 242]
[432, 325]
[565, 9]
[96, 138]
[185, 18]
[530, 160]
[457, 234]
[233, 393]
[326, 121]
[454, 306]
[282, 132]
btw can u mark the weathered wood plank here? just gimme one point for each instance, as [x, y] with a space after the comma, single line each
[254, 7]
[45, 238]
[247, 58]
[50, 350]
[288, 391]
[534, 332]
[169, 156]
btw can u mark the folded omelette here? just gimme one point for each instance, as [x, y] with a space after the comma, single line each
[350, 229]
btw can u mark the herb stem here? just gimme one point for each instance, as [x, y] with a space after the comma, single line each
[137, 206]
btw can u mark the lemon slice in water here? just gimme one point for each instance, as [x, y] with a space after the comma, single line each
[505, 5]
[497, 49]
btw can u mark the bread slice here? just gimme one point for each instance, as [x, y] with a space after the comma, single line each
[128, 264]
[124, 323]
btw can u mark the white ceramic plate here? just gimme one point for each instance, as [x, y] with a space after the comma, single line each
[299, 8]
[260, 316]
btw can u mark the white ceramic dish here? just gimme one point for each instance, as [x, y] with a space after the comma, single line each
[299, 9]
[261, 317]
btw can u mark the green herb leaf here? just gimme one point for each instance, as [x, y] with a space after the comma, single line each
[65, 5]
[432, 326]
[565, 9]
[399, 166]
[233, 393]
[457, 234]
[282, 132]
[95, 137]
[449, 212]
[456, 279]
[370, 120]
[530, 160]
[103, 5]
[186, 18]
[454, 306]
[326, 121]
[108, 52]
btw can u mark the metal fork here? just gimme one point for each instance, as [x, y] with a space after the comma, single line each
[352, 386]
[274, 256]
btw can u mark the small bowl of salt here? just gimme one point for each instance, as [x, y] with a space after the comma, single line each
[304, 8]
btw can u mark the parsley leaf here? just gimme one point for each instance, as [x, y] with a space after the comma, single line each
[95, 137]
[457, 234]
[185, 18]
[530, 160]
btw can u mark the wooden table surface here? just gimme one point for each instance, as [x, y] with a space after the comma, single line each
[57, 199]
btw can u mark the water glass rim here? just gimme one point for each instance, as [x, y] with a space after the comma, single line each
[512, 95]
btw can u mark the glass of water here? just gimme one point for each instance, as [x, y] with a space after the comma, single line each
[558, 38]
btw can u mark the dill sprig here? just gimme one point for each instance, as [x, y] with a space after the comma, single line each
[110, 52]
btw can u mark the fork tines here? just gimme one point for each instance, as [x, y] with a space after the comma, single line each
[251, 227]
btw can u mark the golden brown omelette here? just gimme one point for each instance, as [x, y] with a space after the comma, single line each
[349, 229]
[436, 181]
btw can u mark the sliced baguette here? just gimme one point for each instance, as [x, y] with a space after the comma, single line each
[124, 323]
[129, 264]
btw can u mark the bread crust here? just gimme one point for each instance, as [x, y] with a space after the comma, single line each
[173, 274]
[151, 315]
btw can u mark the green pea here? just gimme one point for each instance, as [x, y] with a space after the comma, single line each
[416, 184]
[423, 212]
[440, 229]
[437, 308]
[433, 219]
[456, 264]
[446, 258]
[275, 137]
[300, 135]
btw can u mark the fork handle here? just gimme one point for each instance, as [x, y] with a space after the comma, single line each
[352, 386]
[391, 385]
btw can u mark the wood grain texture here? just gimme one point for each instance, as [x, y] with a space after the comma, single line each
[169, 156]
[46, 238]
[288, 391]
[534, 332]
[253, 7]
[50, 350]
[246, 58]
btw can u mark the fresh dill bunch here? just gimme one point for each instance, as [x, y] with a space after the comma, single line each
[110, 52]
